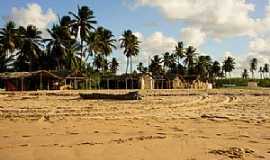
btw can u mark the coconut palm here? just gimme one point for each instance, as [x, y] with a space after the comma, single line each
[245, 74]
[261, 72]
[30, 41]
[5, 61]
[179, 51]
[265, 69]
[114, 65]
[82, 25]
[130, 44]
[8, 38]
[189, 60]
[215, 69]
[101, 42]
[140, 67]
[203, 66]
[253, 66]
[228, 65]
[155, 66]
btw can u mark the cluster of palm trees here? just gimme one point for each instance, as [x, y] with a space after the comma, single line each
[188, 62]
[263, 70]
[74, 44]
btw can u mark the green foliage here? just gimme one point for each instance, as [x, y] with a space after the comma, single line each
[240, 82]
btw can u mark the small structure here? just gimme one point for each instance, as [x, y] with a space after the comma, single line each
[74, 79]
[253, 84]
[25, 81]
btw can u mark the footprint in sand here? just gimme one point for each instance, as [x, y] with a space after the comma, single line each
[24, 145]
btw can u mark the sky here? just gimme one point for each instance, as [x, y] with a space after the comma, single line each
[220, 28]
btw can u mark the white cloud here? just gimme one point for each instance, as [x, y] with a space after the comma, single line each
[217, 18]
[193, 36]
[32, 14]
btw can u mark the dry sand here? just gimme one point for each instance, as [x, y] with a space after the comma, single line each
[173, 125]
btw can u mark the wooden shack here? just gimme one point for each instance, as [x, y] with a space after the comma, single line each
[30, 81]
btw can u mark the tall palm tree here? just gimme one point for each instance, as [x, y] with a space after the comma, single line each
[6, 61]
[228, 65]
[245, 74]
[167, 60]
[114, 66]
[253, 66]
[82, 25]
[30, 41]
[261, 72]
[189, 60]
[100, 62]
[130, 44]
[101, 42]
[179, 53]
[140, 67]
[266, 69]
[8, 38]
[155, 66]
[203, 66]
[215, 69]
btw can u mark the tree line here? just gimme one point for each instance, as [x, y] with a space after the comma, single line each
[75, 43]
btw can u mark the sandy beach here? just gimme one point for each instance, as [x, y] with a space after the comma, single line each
[175, 125]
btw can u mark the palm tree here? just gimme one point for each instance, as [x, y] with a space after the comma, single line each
[8, 38]
[130, 44]
[29, 48]
[253, 66]
[261, 72]
[100, 62]
[245, 74]
[203, 66]
[101, 42]
[167, 60]
[189, 60]
[179, 51]
[114, 66]
[266, 69]
[5, 61]
[155, 66]
[228, 65]
[82, 25]
[215, 69]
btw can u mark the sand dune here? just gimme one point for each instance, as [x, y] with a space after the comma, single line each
[177, 124]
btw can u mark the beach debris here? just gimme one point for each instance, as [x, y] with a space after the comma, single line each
[233, 152]
[128, 96]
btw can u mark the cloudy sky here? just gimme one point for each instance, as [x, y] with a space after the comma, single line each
[239, 28]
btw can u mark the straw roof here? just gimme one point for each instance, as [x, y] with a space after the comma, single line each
[16, 75]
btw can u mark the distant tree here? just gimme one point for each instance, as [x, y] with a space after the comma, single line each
[203, 67]
[228, 65]
[266, 70]
[253, 66]
[114, 66]
[245, 74]
[261, 72]
[130, 44]
[215, 69]
[82, 25]
[155, 66]
[6, 61]
[179, 52]
[190, 57]
[29, 48]
[8, 38]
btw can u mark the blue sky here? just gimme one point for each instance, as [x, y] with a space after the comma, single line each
[146, 19]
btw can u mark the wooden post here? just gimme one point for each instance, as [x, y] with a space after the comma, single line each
[22, 87]
[126, 84]
[40, 82]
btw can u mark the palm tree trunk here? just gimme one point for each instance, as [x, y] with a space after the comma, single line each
[81, 54]
[130, 64]
[127, 65]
